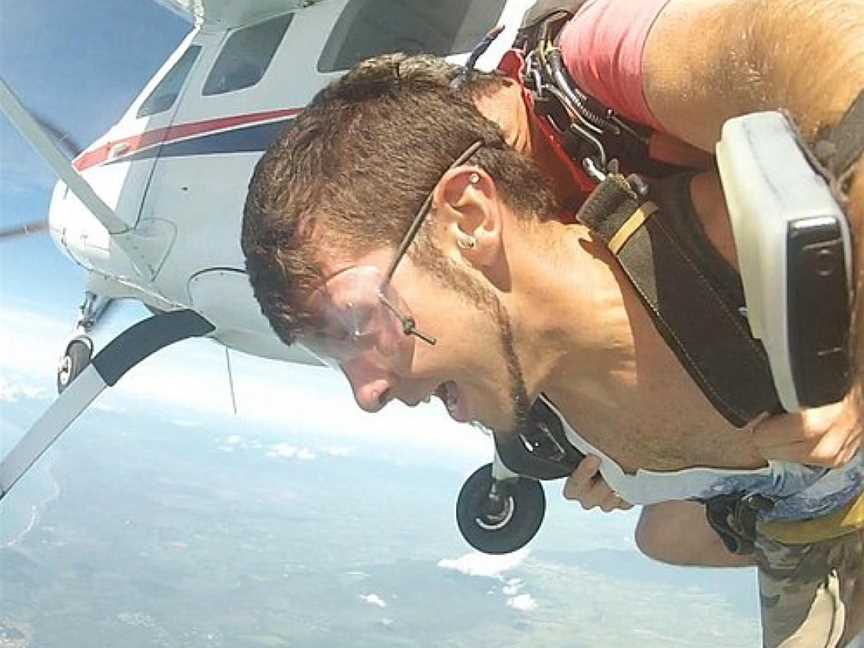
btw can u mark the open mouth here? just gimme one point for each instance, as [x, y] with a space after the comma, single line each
[449, 394]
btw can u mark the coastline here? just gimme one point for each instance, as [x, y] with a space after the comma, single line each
[37, 509]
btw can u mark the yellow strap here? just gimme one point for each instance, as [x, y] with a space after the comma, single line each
[844, 521]
[636, 220]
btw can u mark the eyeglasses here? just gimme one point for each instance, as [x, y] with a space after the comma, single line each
[363, 314]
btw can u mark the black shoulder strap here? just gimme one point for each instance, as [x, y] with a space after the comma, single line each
[844, 144]
[707, 334]
[544, 10]
[543, 22]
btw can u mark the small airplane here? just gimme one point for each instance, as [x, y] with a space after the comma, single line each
[152, 209]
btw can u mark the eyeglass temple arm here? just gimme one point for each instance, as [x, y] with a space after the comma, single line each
[421, 213]
[409, 326]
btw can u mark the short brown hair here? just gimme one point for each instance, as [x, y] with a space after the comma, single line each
[348, 174]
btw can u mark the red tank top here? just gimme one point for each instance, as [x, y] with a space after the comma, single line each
[603, 47]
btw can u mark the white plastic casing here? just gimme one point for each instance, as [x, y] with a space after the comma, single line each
[769, 184]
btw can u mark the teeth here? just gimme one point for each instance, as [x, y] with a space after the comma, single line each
[450, 401]
[448, 394]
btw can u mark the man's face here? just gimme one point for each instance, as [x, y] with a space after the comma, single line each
[473, 367]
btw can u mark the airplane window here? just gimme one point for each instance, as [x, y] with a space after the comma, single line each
[371, 27]
[246, 55]
[167, 90]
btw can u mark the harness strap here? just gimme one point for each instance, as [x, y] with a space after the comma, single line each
[843, 145]
[707, 334]
[847, 520]
[734, 518]
[630, 226]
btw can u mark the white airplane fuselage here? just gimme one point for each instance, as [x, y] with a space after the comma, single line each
[176, 167]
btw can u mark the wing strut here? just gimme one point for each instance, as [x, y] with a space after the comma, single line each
[62, 166]
[124, 352]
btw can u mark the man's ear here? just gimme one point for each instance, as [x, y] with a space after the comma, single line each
[469, 209]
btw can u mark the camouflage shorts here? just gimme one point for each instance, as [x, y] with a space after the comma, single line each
[812, 595]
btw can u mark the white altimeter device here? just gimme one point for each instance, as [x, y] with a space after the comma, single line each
[794, 255]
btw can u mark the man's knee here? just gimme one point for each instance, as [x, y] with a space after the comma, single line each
[654, 539]
[677, 533]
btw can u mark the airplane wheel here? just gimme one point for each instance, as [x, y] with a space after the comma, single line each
[77, 357]
[503, 523]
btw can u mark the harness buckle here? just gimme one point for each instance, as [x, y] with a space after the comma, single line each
[734, 518]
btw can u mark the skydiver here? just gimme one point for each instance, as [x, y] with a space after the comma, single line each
[495, 301]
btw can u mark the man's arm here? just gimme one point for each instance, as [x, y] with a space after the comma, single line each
[708, 60]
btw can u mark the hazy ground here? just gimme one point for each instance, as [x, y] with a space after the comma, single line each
[152, 533]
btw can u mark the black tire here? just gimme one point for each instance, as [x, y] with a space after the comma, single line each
[77, 357]
[523, 513]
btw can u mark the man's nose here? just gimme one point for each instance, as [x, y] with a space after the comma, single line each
[371, 384]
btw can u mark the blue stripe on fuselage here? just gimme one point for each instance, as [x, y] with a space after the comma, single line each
[248, 139]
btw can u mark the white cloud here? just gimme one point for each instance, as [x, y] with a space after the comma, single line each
[106, 405]
[283, 450]
[480, 564]
[523, 603]
[358, 574]
[191, 376]
[39, 341]
[374, 599]
[235, 442]
[512, 587]
[288, 451]
[11, 392]
[337, 452]
[187, 423]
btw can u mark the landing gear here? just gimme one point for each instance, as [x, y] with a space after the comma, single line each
[80, 349]
[497, 516]
[501, 506]
[78, 355]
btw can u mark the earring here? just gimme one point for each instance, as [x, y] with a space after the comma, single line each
[474, 178]
[466, 242]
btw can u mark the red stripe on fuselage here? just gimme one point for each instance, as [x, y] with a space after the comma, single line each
[134, 143]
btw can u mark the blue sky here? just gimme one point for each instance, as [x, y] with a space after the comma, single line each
[78, 64]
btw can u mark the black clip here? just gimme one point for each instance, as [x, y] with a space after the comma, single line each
[475, 54]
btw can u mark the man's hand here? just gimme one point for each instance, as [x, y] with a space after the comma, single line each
[588, 487]
[827, 436]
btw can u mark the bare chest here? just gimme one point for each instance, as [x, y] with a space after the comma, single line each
[654, 417]
[641, 407]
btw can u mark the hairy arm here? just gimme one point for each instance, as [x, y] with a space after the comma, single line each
[708, 60]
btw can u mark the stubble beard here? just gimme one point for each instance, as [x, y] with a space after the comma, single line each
[520, 403]
[485, 299]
